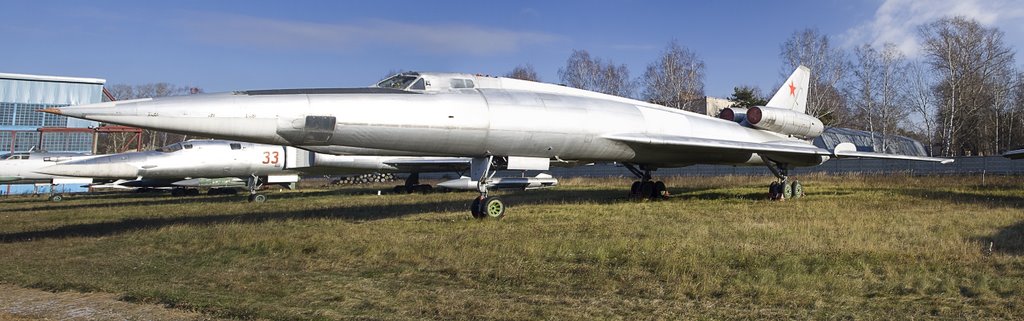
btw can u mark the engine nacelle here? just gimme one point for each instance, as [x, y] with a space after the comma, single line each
[785, 121]
[736, 114]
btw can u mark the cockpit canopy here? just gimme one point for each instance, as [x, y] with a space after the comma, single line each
[428, 82]
[13, 156]
[175, 147]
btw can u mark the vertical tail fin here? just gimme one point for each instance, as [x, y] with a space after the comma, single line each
[793, 94]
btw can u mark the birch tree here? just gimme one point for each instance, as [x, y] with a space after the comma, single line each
[676, 79]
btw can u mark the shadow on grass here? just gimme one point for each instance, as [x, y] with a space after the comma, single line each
[968, 198]
[353, 213]
[1009, 240]
[356, 213]
[143, 199]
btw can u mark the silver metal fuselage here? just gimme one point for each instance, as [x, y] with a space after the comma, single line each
[217, 158]
[558, 124]
[20, 168]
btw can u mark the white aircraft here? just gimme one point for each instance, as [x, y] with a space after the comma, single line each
[222, 165]
[500, 123]
[19, 168]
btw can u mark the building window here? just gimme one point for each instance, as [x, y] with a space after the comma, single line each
[5, 141]
[18, 114]
[51, 120]
[7, 114]
[67, 142]
[25, 141]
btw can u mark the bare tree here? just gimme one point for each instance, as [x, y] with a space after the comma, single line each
[523, 72]
[921, 100]
[676, 79]
[975, 70]
[1015, 117]
[878, 84]
[151, 139]
[582, 71]
[828, 65]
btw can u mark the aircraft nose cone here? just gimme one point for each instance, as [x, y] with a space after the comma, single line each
[93, 111]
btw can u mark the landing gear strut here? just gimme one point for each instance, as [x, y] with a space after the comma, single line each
[785, 187]
[484, 206]
[254, 183]
[54, 196]
[412, 185]
[645, 188]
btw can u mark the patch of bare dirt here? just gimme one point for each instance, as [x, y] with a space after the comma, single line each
[21, 304]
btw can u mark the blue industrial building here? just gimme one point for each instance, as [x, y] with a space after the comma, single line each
[22, 128]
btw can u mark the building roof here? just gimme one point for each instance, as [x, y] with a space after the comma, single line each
[94, 81]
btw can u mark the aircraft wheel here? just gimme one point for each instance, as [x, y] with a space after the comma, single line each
[476, 209]
[634, 190]
[257, 198]
[56, 198]
[647, 190]
[659, 190]
[494, 207]
[773, 191]
[798, 189]
[787, 190]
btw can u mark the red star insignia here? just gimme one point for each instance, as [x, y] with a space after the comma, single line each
[792, 89]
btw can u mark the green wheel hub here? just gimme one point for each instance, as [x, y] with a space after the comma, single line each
[494, 207]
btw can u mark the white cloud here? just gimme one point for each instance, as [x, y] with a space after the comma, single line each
[896, 21]
[370, 34]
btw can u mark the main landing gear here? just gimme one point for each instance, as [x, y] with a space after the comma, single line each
[785, 187]
[412, 185]
[645, 188]
[254, 183]
[54, 195]
[484, 206]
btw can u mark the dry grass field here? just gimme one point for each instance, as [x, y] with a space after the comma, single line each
[857, 247]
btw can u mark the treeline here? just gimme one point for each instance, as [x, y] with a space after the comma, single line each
[961, 95]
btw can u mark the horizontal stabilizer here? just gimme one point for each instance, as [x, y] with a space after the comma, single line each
[1014, 154]
[848, 150]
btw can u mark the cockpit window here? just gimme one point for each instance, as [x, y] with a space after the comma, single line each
[170, 148]
[397, 82]
[10, 156]
[418, 85]
[236, 146]
[187, 146]
[461, 83]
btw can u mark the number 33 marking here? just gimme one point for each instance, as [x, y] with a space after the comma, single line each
[270, 157]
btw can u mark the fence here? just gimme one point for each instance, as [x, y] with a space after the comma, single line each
[962, 166]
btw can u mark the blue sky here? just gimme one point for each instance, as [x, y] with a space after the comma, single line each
[229, 45]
